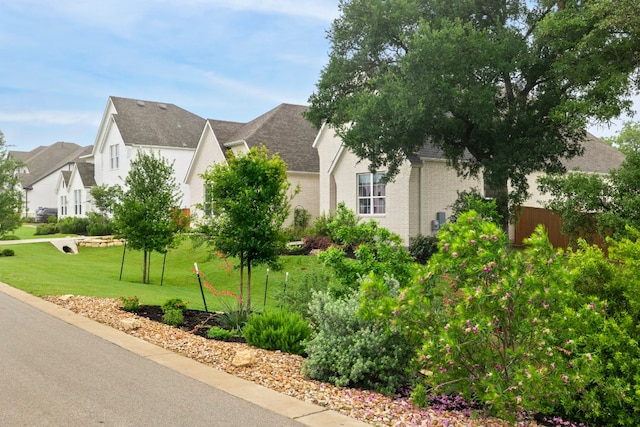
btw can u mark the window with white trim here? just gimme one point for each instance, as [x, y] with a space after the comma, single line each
[63, 205]
[114, 156]
[208, 199]
[371, 193]
[77, 201]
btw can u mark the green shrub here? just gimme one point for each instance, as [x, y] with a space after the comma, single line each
[349, 350]
[100, 225]
[7, 252]
[130, 304]
[46, 229]
[9, 237]
[234, 317]
[52, 219]
[277, 329]
[174, 304]
[173, 317]
[220, 334]
[423, 247]
[73, 225]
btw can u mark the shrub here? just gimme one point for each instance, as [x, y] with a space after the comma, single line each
[220, 334]
[173, 317]
[174, 304]
[130, 304]
[349, 350]
[277, 329]
[423, 247]
[46, 229]
[234, 317]
[7, 252]
[508, 330]
[73, 225]
[9, 237]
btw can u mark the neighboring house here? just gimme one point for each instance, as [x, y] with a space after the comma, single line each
[598, 158]
[414, 203]
[281, 130]
[39, 175]
[130, 125]
[73, 189]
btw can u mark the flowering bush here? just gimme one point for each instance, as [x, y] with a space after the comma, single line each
[503, 328]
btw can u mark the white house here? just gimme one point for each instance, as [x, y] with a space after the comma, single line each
[72, 190]
[282, 130]
[39, 175]
[130, 125]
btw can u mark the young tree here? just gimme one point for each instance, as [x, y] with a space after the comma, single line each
[105, 197]
[504, 87]
[10, 194]
[250, 202]
[144, 214]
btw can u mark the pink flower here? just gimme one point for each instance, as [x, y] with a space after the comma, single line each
[455, 254]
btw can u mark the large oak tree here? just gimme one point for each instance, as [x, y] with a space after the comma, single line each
[504, 87]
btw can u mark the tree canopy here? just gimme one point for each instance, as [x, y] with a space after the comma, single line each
[144, 214]
[504, 87]
[628, 139]
[250, 202]
[10, 194]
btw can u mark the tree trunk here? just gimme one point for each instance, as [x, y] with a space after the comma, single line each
[497, 189]
[144, 267]
[249, 286]
[242, 279]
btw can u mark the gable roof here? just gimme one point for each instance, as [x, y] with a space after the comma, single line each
[156, 124]
[282, 130]
[65, 177]
[86, 172]
[44, 160]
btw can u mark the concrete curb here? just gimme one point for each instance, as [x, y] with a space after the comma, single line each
[306, 413]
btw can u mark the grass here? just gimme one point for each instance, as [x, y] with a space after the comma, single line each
[41, 269]
[29, 232]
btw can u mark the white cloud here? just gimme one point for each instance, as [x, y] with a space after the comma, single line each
[50, 117]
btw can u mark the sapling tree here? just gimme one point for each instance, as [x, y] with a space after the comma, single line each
[144, 214]
[250, 201]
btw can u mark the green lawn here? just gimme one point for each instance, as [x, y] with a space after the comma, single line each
[41, 269]
[29, 232]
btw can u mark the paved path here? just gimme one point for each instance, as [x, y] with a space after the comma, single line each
[58, 368]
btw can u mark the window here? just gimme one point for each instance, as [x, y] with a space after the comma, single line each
[77, 201]
[114, 156]
[371, 193]
[63, 206]
[208, 200]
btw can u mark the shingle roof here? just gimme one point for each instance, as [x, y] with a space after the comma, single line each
[86, 172]
[65, 177]
[44, 160]
[598, 157]
[156, 123]
[285, 131]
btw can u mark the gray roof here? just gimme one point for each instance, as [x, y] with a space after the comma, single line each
[44, 160]
[156, 123]
[598, 157]
[65, 177]
[86, 172]
[224, 130]
[282, 130]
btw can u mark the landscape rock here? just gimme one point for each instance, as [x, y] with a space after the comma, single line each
[244, 358]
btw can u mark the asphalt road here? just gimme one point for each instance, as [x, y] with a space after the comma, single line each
[55, 374]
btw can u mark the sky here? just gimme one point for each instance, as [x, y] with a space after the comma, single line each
[220, 59]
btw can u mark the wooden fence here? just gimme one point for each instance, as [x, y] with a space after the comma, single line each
[530, 218]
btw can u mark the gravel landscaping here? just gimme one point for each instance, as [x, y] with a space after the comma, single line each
[273, 369]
